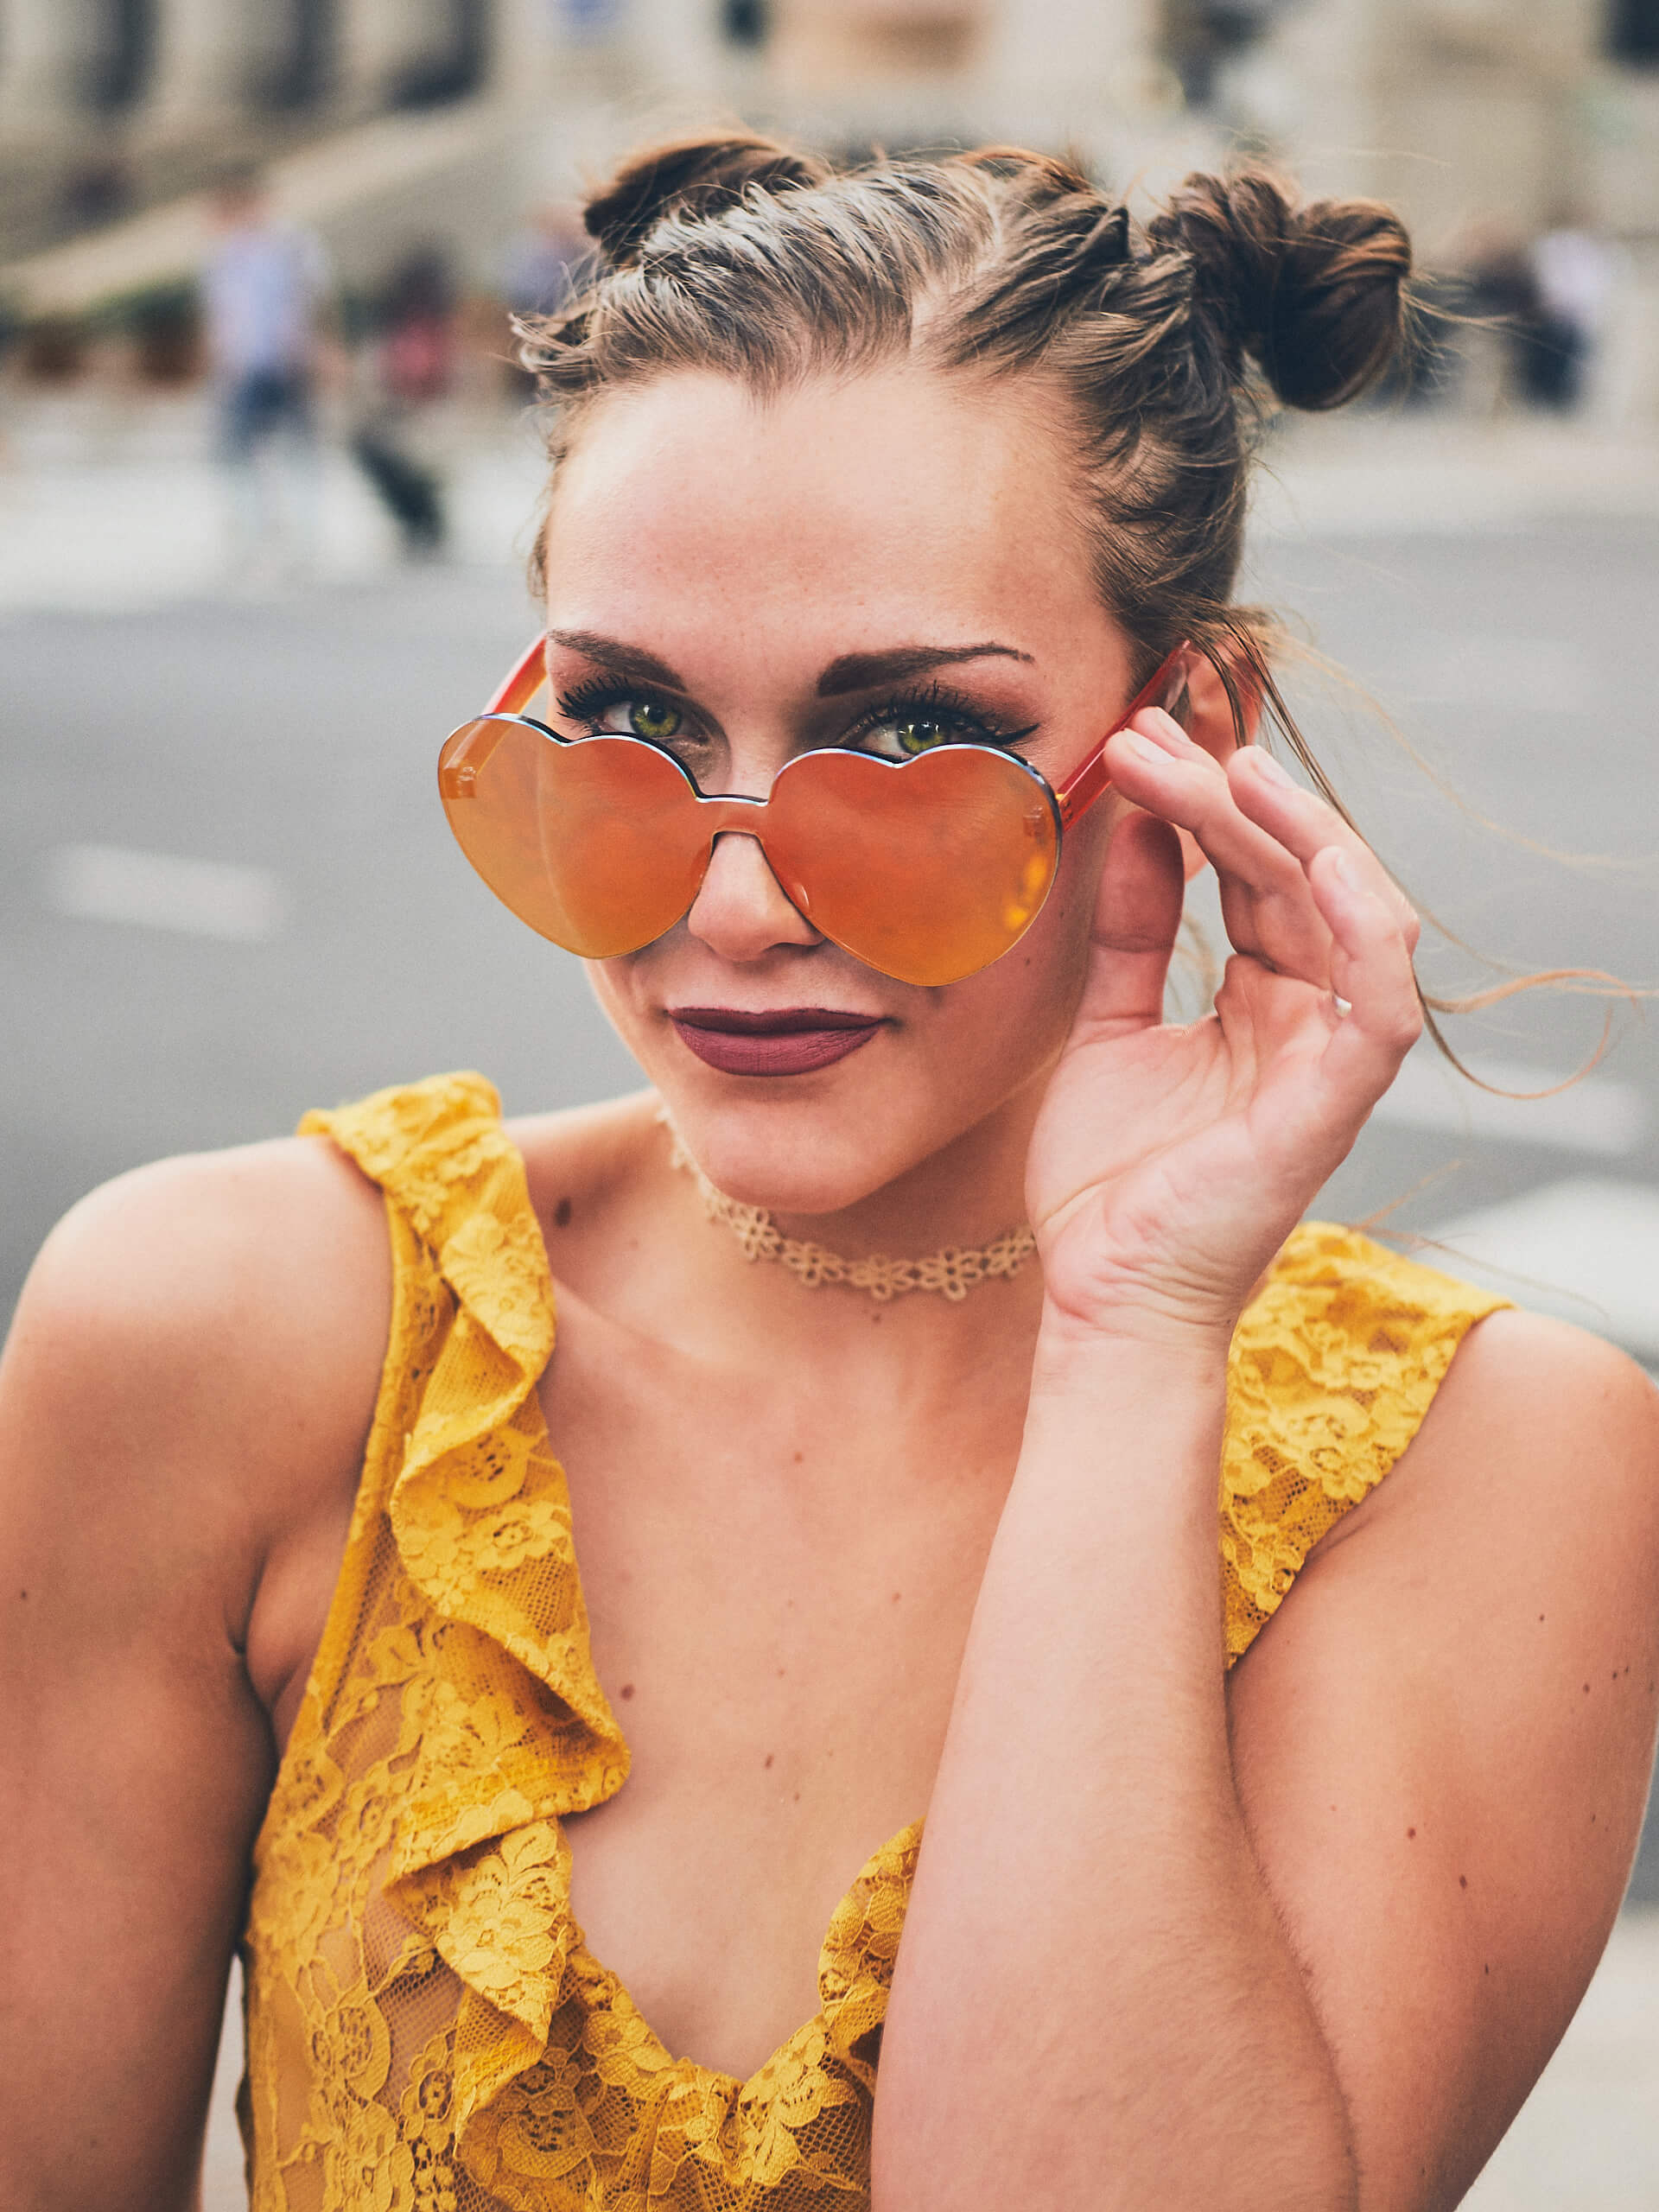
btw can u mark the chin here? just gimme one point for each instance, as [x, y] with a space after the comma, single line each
[795, 1155]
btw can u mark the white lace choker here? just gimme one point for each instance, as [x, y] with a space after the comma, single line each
[953, 1271]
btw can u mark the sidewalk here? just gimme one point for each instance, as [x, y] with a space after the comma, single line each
[124, 509]
[118, 506]
[1416, 470]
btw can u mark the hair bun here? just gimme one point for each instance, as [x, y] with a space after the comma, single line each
[696, 175]
[1311, 294]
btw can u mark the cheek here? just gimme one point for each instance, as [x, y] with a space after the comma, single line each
[613, 983]
[1056, 947]
[1015, 1014]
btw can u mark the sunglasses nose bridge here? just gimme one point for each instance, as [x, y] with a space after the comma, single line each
[735, 816]
[733, 811]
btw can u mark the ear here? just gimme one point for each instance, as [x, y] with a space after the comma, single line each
[1207, 718]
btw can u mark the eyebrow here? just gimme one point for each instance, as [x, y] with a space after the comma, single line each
[848, 672]
[864, 672]
[632, 663]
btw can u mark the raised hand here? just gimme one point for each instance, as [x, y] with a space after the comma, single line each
[1170, 1161]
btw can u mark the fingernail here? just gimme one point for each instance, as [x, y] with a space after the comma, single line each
[1267, 767]
[1142, 747]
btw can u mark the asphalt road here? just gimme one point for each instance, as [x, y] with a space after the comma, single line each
[292, 743]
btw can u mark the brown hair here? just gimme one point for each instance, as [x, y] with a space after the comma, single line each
[739, 254]
[1166, 342]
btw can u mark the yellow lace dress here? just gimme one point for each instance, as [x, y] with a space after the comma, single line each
[427, 2031]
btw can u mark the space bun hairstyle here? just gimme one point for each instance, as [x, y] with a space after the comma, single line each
[1159, 345]
[695, 177]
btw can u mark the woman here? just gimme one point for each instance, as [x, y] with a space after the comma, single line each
[902, 1327]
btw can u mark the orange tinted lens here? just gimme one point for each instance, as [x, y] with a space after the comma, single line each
[927, 869]
[597, 845]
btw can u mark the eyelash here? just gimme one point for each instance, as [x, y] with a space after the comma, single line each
[585, 702]
[936, 702]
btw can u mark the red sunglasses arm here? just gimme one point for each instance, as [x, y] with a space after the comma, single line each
[1086, 783]
[517, 689]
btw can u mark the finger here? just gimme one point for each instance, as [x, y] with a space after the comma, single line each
[1137, 918]
[1264, 894]
[1370, 964]
[1187, 786]
[1303, 824]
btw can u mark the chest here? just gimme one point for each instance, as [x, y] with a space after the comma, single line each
[779, 1592]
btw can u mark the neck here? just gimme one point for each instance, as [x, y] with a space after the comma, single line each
[967, 1193]
[967, 1196]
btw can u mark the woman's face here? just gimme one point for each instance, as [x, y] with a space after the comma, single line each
[743, 579]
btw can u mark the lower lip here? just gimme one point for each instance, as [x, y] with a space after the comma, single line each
[778, 1051]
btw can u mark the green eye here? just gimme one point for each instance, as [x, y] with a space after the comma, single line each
[919, 732]
[654, 719]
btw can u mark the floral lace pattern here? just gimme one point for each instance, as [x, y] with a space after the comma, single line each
[427, 2029]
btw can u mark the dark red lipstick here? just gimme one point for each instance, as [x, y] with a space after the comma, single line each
[787, 1041]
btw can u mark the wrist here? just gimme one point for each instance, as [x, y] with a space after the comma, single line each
[1113, 1352]
[1142, 1326]
[1124, 1285]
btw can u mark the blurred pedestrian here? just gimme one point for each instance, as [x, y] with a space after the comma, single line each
[412, 366]
[540, 267]
[262, 290]
[1507, 329]
[1574, 273]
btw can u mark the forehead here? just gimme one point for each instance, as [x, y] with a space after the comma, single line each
[896, 487]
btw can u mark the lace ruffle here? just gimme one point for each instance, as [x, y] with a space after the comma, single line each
[502, 1725]
[428, 2032]
[1332, 1369]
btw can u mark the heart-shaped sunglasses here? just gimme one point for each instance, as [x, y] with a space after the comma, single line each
[925, 869]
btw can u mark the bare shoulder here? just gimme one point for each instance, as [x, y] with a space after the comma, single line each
[1538, 1419]
[584, 1167]
[183, 1403]
[218, 1321]
[580, 1151]
[1451, 1716]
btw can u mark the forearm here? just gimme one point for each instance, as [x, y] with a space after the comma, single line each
[1095, 1994]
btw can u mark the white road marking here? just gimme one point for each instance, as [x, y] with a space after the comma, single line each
[163, 890]
[1596, 1114]
[1587, 1250]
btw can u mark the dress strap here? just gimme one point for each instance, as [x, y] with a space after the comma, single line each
[438, 1151]
[1334, 1365]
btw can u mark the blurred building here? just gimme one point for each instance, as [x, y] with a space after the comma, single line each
[112, 108]
[399, 119]
[107, 106]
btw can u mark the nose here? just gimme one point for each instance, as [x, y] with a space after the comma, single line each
[741, 912]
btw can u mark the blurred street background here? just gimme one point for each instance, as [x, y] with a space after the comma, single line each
[268, 476]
